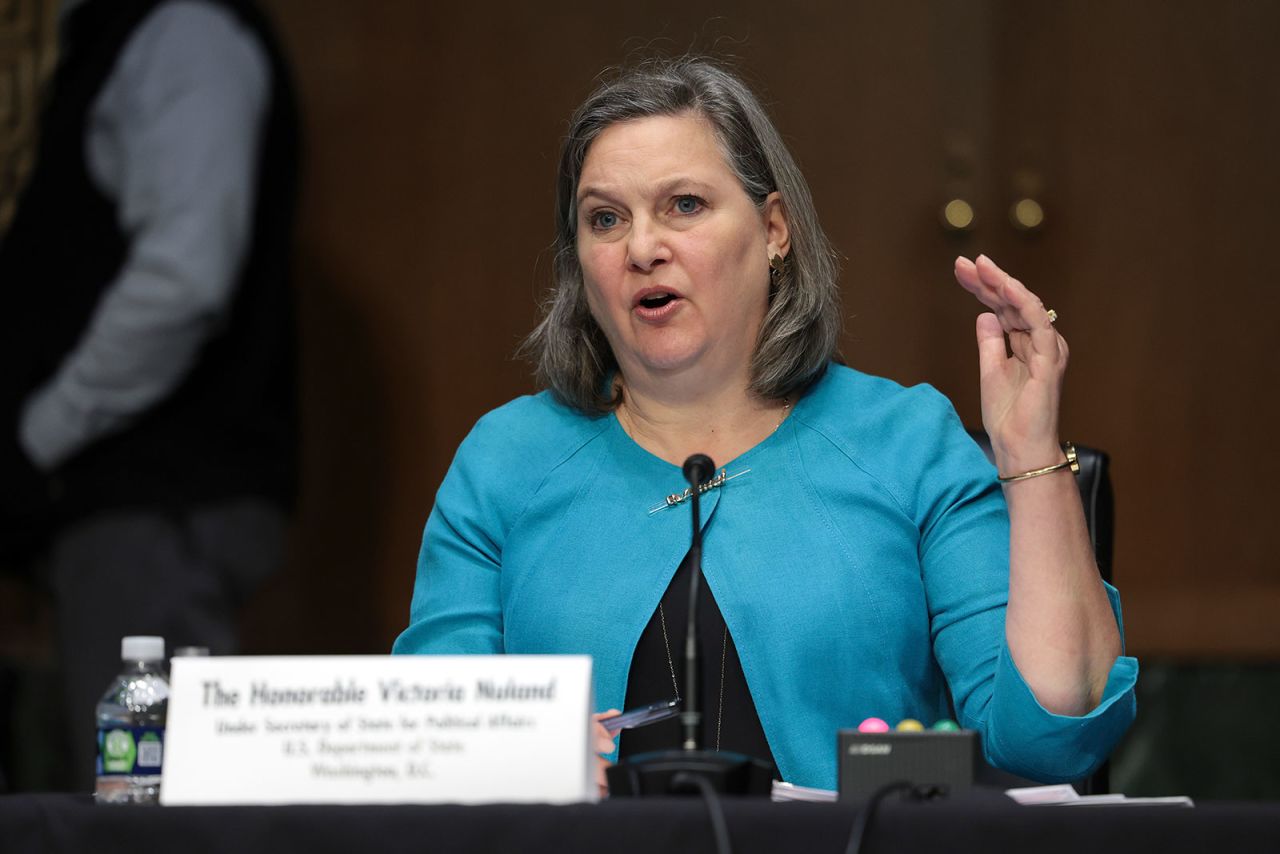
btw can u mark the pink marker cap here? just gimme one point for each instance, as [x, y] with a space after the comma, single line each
[873, 725]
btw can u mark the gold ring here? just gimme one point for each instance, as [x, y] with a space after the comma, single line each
[1053, 316]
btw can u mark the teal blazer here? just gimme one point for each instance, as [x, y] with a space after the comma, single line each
[861, 563]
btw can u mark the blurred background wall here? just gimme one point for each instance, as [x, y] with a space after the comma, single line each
[1118, 157]
[1144, 131]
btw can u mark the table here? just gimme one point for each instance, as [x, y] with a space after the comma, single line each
[976, 821]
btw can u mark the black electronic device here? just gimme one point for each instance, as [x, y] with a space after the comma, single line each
[642, 716]
[945, 761]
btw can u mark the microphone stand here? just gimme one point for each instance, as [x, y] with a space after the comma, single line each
[691, 770]
[697, 471]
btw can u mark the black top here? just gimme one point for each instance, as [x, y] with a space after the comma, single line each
[729, 718]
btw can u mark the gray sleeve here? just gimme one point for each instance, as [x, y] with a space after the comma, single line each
[173, 139]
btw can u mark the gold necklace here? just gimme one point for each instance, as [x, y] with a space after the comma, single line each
[678, 498]
[724, 656]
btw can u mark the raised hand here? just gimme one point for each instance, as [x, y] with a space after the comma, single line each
[1059, 624]
[1021, 383]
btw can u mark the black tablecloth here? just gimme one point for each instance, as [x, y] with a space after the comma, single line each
[972, 822]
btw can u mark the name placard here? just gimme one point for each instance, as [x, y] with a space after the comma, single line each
[378, 729]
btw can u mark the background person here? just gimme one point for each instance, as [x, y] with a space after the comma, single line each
[148, 389]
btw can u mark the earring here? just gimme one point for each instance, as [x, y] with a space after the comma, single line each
[776, 265]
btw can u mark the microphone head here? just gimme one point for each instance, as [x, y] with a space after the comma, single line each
[698, 469]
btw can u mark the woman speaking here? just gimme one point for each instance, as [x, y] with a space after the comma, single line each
[861, 556]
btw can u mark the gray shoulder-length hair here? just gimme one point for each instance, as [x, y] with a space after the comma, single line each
[800, 332]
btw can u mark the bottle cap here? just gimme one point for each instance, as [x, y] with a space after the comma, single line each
[142, 648]
[190, 651]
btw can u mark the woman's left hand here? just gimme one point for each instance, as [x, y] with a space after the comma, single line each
[1061, 631]
[1020, 392]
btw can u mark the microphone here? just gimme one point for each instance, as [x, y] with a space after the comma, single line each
[690, 770]
[697, 471]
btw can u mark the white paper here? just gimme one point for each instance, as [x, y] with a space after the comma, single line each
[1124, 801]
[1063, 795]
[379, 729]
[1056, 794]
[782, 792]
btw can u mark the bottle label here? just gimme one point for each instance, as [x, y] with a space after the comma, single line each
[130, 750]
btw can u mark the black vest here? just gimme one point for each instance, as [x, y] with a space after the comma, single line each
[229, 428]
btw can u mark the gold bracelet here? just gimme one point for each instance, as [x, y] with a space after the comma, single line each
[1071, 461]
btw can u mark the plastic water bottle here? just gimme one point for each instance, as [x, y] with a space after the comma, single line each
[131, 718]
